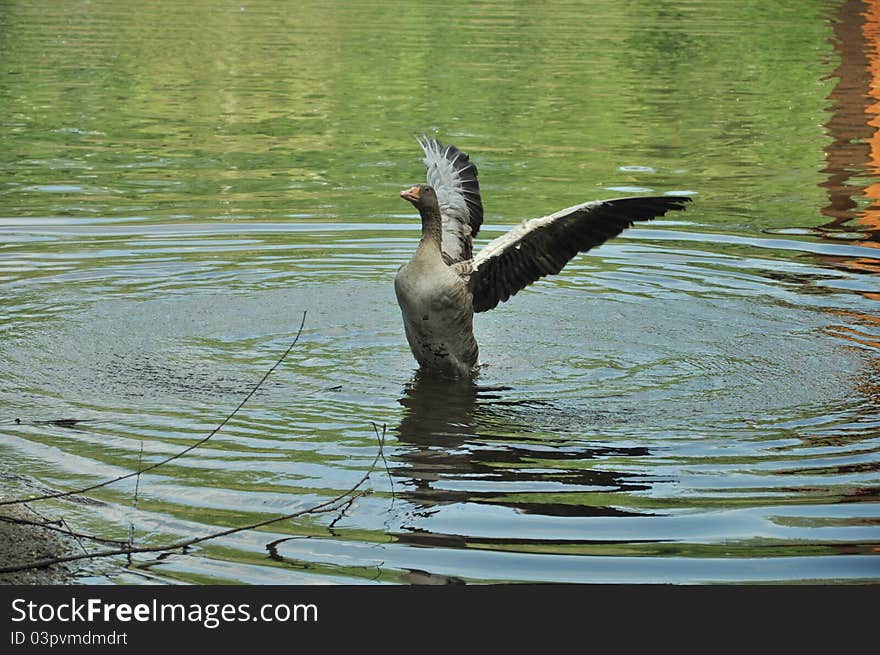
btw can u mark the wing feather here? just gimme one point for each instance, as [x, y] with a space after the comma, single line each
[543, 246]
[454, 177]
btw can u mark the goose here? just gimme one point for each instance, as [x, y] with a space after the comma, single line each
[444, 284]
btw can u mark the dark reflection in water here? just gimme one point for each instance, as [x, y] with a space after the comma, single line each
[853, 153]
[465, 435]
[849, 151]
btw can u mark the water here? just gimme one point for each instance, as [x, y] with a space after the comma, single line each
[695, 401]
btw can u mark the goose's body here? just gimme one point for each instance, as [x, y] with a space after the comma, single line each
[443, 284]
[437, 315]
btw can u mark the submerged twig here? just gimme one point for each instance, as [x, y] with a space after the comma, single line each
[60, 525]
[64, 527]
[137, 485]
[342, 510]
[69, 531]
[385, 461]
[229, 417]
[325, 506]
[137, 481]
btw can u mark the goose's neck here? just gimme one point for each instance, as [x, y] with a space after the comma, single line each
[432, 230]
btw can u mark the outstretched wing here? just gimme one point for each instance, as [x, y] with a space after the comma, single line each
[542, 246]
[454, 177]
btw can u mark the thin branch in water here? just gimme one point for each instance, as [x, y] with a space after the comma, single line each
[342, 510]
[36, 513]
[385, 461]
[64, 527]
[56, 526]
[329, 505]
[200, 442]
[137, 481]
[70, 532]
[137, 485]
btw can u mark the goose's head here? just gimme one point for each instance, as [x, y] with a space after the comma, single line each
[421, 196]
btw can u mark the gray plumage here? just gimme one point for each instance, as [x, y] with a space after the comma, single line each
[454, 177]
[442, 286]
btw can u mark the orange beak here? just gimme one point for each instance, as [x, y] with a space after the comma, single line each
[413, 194]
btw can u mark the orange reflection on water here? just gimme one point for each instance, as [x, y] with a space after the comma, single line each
[854, 151]
[871, 31]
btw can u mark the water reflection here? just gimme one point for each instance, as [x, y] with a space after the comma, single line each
[854, 151]
[469, 443]
[850, 133]
[852, 156]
